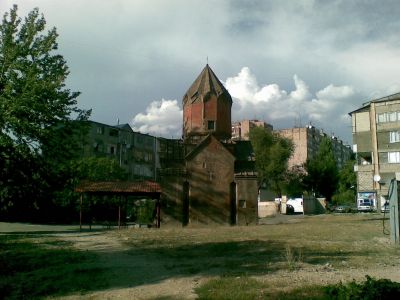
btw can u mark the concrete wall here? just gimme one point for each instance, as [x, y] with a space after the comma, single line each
[247, 200]
[312, 205]
[267, 209]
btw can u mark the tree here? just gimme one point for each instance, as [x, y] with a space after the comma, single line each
[98, 169]
[347, 185]
[322, 171]
[272, 153]
[294, 183]
[36, 109]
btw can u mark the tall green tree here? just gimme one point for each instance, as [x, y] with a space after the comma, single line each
[347, 185]
[272, 153]
[322, 172]
[37, 111]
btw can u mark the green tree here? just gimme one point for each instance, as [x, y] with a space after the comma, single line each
[36, 109]
[322, 172]
[272, 153]
[347, 185]
[97, 169]
[294, 183]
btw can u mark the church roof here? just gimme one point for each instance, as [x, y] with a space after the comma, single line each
[206, 82]
[203, 144]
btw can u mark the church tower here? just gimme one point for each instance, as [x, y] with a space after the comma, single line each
[206, 108]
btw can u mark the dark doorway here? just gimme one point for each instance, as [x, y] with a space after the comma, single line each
[233, 209]
[185, 202]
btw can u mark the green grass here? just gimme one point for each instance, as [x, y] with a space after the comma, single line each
[32, 269]
[243, 262]
[244, 288]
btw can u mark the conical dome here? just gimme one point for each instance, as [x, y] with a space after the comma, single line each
[207, 107]
[206, 83]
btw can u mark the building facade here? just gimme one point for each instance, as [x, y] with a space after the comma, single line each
[376, 143]
[241, 129]
[135, 152]
[306, 142]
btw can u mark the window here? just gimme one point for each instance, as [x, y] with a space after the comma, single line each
[242, 203]
[211, 125]
[100, 130]
[394, 137]
[113, 132]
[393, 157]
[392, 116]
[112, 149]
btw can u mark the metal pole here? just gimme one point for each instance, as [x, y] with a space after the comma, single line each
[394, 212]
[119, 215]
[80, 214]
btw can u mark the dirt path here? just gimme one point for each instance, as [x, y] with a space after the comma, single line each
[137, 274]
[111, 252]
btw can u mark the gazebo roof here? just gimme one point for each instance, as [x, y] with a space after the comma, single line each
[119, 187]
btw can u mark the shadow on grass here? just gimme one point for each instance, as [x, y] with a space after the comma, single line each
[50, 268]
[33, 270]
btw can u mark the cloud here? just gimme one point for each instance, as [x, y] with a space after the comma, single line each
[287, 109]
[327, 108]
[162, 118]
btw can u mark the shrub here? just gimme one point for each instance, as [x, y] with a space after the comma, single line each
[368, 290]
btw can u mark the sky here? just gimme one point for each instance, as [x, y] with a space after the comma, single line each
[288, 63]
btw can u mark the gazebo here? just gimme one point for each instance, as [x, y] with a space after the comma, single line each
[123, 189]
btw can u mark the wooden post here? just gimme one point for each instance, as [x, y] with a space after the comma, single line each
[80, 214]
[119, 213]
[158, 213]
[90, 213]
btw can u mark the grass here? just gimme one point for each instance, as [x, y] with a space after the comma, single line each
[243, 288]
[332, 239]
[238, 262]
[328, 242]
[31, 269]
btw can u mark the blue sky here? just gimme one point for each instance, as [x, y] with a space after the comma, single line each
[285, 62]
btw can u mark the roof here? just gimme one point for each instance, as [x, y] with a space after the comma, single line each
[365, 105]
[203, 144]
[119, 187]
[125, 126]
[205, 83]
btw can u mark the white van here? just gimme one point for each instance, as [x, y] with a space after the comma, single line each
[294, 205]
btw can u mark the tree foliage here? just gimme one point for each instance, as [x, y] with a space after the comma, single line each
[347, 185]
[98, 169]
[322, 172]
[36, 110]
[294, 183]
[272, 153]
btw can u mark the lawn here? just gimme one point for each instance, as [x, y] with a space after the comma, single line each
[290, 260]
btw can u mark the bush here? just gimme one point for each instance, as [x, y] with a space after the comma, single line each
[368, 290]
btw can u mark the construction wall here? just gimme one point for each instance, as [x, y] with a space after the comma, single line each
[313, 206]
[247, 202]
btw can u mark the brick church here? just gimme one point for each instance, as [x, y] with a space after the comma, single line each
[215, 181]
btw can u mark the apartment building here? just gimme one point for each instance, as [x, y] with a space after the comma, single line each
[376, 143]
[135, 152]
[306, 142]
[241, 130]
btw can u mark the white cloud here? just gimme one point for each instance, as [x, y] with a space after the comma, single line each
[162, 118]
[327, 109]
[332, 92]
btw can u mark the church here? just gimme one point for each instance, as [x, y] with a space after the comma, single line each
[215, 182]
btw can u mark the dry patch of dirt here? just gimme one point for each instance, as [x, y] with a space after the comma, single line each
[169, 263]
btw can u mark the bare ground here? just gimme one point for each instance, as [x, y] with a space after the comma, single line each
[170, 263]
